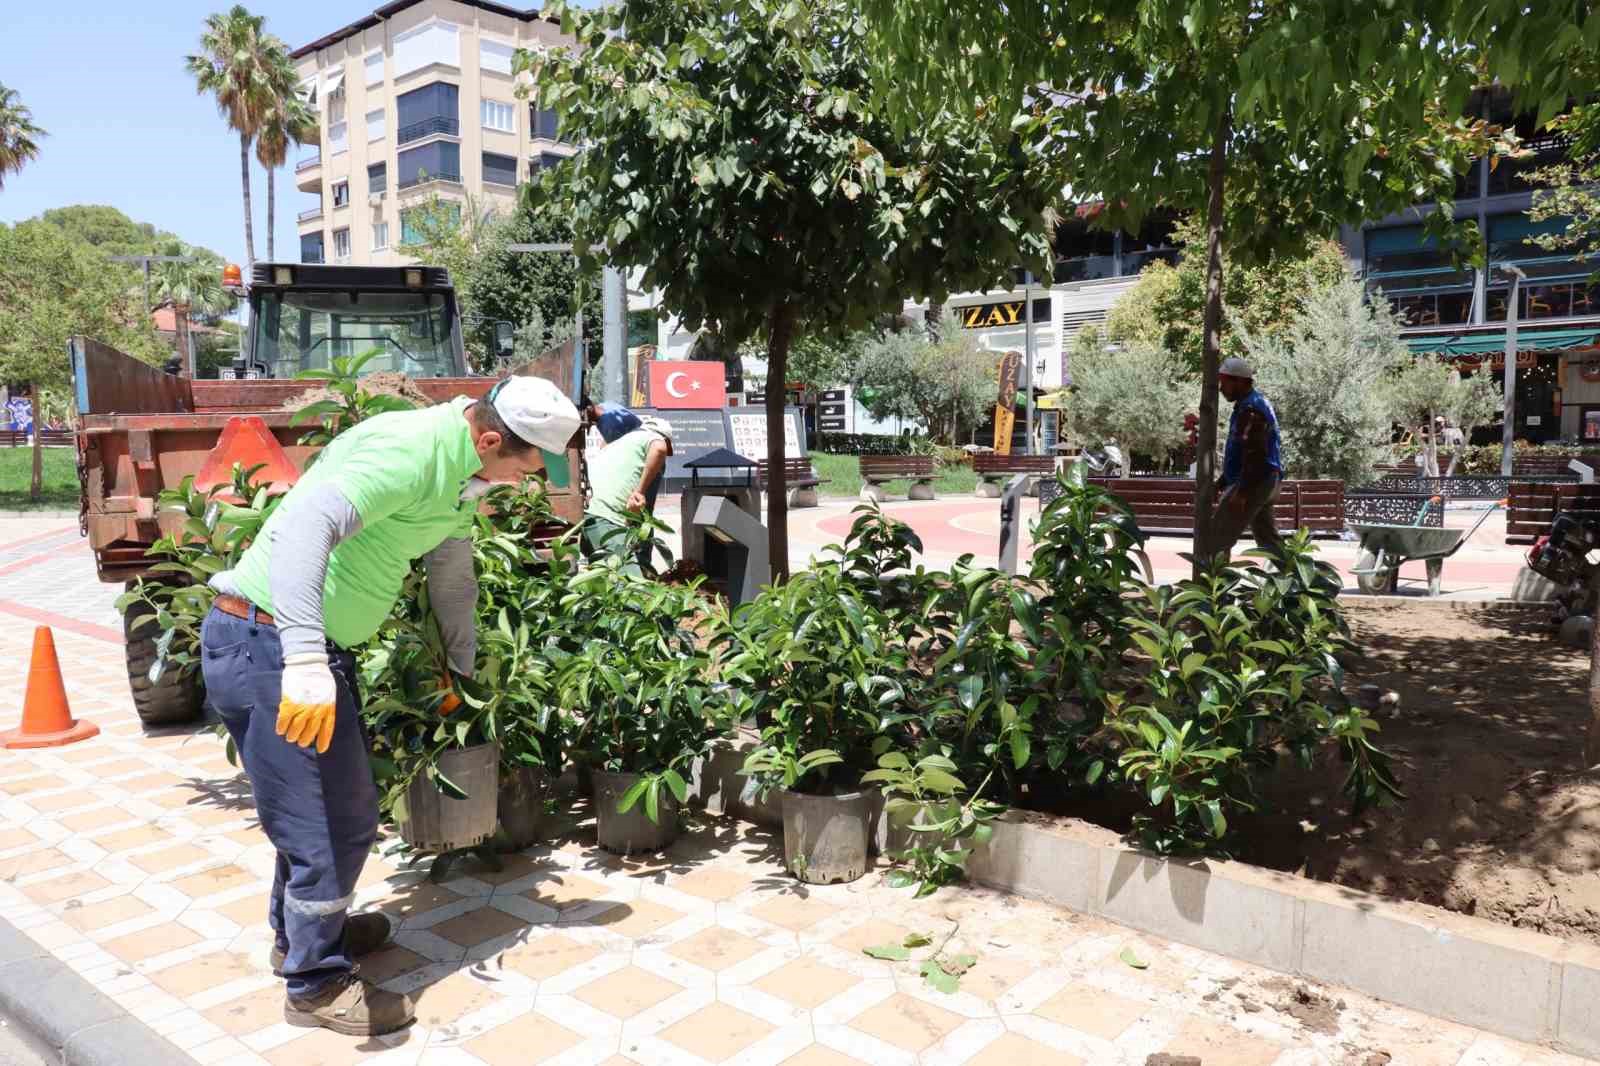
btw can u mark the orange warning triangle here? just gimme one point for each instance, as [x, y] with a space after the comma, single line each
[248, 441]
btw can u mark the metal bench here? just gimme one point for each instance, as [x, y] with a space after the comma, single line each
[798, 478]
[876, 469]
[993, 469]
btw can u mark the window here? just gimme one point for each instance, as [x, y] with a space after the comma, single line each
[311, 247]
[499, 169]
[377, 177]
[1084, 252]
[432, 42]
[498, 116]
[338, 138]
[341, 243]
[545, 161]
[1423, 285]
[375, 125]
[341, 193]
[438, 161]
[412, 217]
[380, 236]
[336, 107]
[374, 65]
[426, 111]
[1557, 285]
[494, 57]
[542, 122]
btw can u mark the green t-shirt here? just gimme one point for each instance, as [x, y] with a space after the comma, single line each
[614, 474]
[403, 473]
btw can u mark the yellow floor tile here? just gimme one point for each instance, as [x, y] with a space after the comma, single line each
[210, 882]
[716, 1033]
[716, 948]
[817, 1055]
[446, 1002]
[94, 916]
[248, 1014]
[564, 891]
[32, 862]
[65, 887]
[159, 862]
[127, 839]
[791, 912]
[711, 883]
[871, 934]
[522, 1041]
[636, 919]
[1013, 1049]
[806, 983]
[1090, 1010]
[206, 972]
[1210, 1041]
[148, 943]
[907, 1022]
[547, 956]
[627, 992]
[476, 926]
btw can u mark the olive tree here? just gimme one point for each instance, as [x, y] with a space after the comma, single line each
[1135, 393]
[735, 153]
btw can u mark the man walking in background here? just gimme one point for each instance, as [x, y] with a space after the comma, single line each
[1251, 466]
[611, 420]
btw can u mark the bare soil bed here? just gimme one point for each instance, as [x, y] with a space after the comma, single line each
[1500, 819]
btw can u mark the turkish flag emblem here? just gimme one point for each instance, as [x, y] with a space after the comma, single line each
[693, 383]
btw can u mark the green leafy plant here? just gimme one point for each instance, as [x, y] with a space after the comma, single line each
[1241, 661]
[218, 524]
[945, 821]
[353, 404]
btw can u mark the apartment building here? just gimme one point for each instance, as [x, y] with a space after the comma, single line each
[1459, 313]
[417, 100]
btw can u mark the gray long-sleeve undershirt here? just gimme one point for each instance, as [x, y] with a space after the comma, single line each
[319, 522]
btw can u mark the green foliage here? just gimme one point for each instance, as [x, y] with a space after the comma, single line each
[1327, 372]
[218, 525]
[1136, 395]
[53, 287]
[19, 137]
[353, 405]
[941, 378]
[942, 817]
[941, 972]
[1242, 661]
[1424, 388]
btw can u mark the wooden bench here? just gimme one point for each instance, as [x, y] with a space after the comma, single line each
[48, 438]
[876, 469]
[798, 478]
[1166, 505]
[993, 469]
[1532, 505]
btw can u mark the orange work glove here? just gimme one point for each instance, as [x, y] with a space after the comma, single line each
[307, 701]
[450, 703]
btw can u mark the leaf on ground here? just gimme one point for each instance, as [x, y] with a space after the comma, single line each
[888, 952]
[938, 980]
[901, 878]
[1133, 960]
[956, 965]
[918, 940]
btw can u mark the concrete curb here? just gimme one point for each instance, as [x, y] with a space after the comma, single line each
[1512, 982]
[67, 1017]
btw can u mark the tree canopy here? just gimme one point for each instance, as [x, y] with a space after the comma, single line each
[736, 154]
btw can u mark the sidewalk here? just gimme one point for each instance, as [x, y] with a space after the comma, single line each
[136, 861]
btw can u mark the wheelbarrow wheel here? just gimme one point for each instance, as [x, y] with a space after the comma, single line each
[1374, 584]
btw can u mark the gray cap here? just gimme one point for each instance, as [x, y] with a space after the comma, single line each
[1235, 367]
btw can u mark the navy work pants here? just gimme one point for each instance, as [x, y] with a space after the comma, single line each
[319, 811]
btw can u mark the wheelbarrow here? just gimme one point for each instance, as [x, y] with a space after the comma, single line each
[1385, 548]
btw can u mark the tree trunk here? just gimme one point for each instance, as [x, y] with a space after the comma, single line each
[180, 325]
[1206, 457]
[36, 488]
[249, 223]
[1591, 746]
[779, 336]
[272, 205]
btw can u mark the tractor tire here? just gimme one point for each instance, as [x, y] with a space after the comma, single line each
[173, 700]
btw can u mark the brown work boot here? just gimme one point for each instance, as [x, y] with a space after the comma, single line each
[352, 1007]
[363, 934]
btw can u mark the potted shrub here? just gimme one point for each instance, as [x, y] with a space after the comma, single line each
[638, 686]
[823, 665]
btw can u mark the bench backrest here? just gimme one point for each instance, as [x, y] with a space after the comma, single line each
[1167, 504]
[893, 466]
[987, 463]
[16, 438]
[793, 466]
[1532, 505]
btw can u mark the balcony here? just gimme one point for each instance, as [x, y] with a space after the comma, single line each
[308, 173]
[309, 215]
[424, 179]
[429, 127]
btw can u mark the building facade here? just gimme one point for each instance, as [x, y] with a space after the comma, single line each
[417, 100]
[1459, 312]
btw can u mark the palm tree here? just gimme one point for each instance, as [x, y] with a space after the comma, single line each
[290, 120]
[234, 65]
[19, 137]
[192, 287]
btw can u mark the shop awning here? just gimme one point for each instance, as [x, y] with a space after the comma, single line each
[1489, 343]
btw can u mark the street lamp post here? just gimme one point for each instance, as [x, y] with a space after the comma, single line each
[1509, 386]
[1027, 370]
[613, 374]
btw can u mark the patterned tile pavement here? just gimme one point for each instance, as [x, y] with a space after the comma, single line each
[137, 861]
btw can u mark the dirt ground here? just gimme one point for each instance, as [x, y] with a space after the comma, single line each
[1499, 821]
[385, 383]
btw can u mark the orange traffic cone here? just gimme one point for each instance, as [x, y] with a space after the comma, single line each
[46, 719]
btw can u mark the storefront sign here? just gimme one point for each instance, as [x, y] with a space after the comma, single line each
[1000, 314]
[1010, 368]
[1526, 360]
[1005, 421]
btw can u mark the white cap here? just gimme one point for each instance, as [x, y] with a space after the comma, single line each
[1235, 367]
[538, 412]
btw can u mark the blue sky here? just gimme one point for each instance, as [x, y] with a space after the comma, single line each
[106, 79]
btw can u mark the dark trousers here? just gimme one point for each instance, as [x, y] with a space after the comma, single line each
[319, 811]
[1254, 512]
